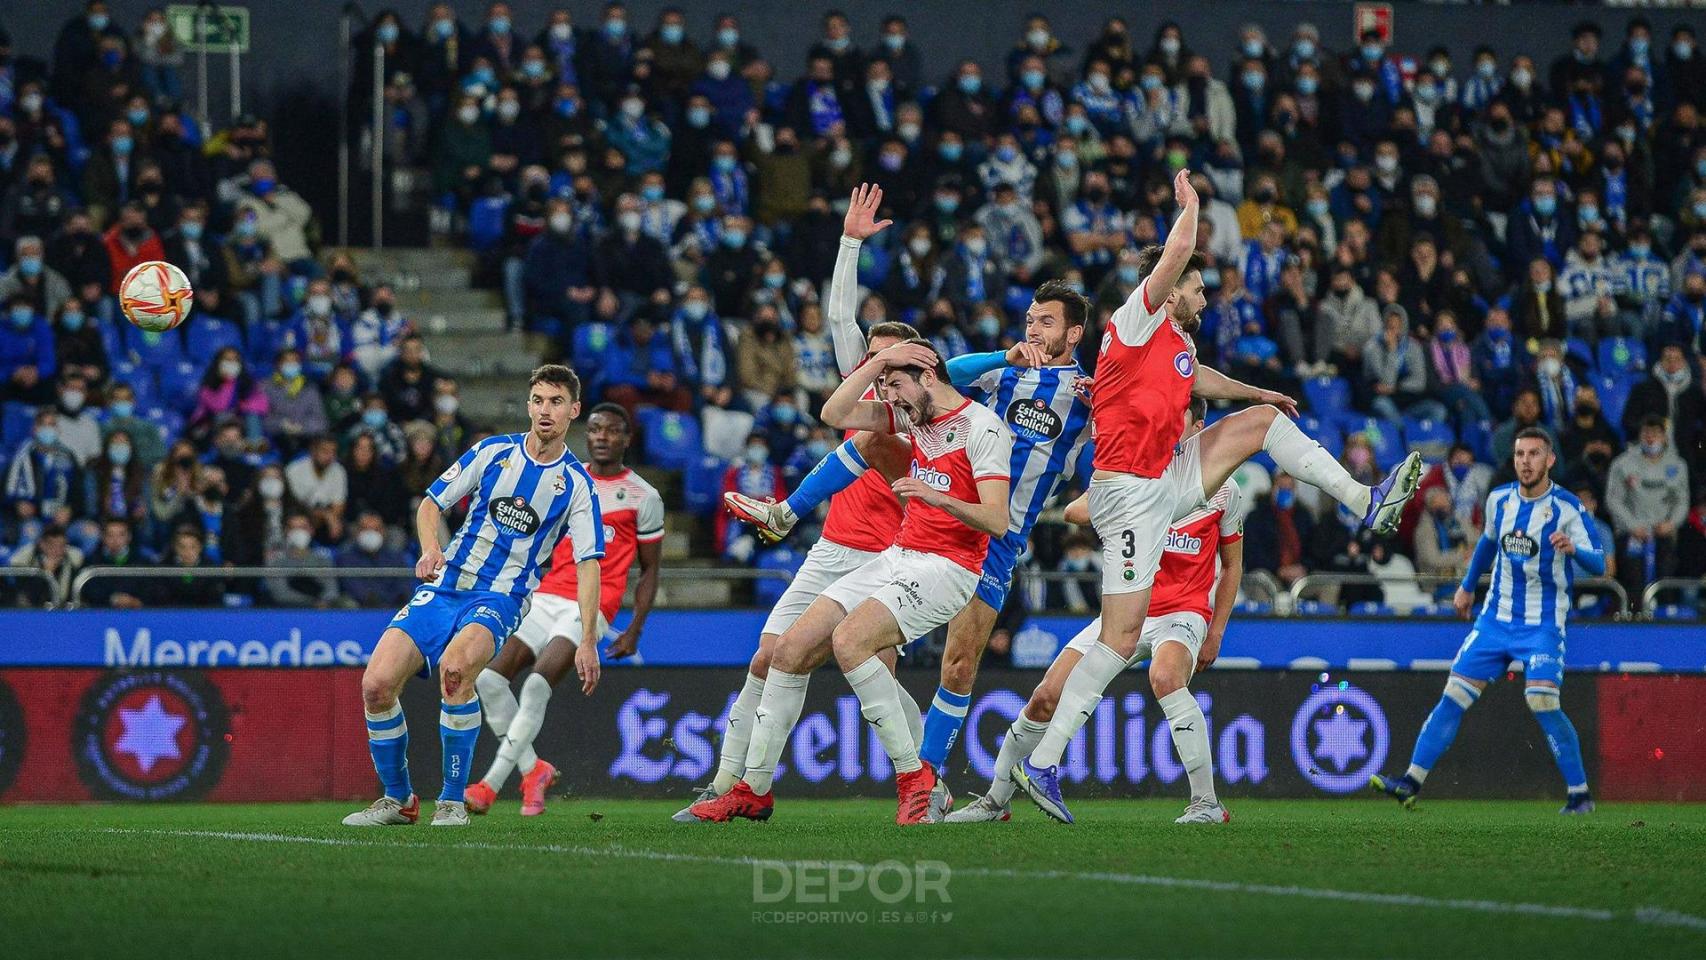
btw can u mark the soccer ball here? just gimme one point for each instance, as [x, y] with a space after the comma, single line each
[155, 296]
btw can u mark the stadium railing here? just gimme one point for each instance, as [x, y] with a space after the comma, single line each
[1258, 585]
[30, 573]
[90, 574]
[1650, 596]
[1316, 582]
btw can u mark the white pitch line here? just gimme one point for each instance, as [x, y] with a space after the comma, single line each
[1647, 915]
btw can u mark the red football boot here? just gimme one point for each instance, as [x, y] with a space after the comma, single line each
[740, 802]
[914, 790]
[542, 777]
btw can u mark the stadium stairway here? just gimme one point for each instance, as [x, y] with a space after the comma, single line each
[465, 337]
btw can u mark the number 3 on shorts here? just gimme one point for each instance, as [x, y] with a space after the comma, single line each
[1130, 538]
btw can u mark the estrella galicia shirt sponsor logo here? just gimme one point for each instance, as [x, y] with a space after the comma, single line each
[514, 515]
[1518, 545]
[12, 736]
[151, 735]
[1033, 419]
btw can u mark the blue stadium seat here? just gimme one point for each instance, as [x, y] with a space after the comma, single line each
[1432, 438]
[770, 589]
[1326, 432]
[265, 340]
[209, 335]
[156, 350]
[1370, 608]
[1478, 437]
[113, 337]
[1253, 608]
[1388, 443]
[16, 424]
[672, 439]
[179, 384]
[875, 261]
[1676, 612]
[1316, 608]
[702, 485]
[486, 222]
[1625, 354]
[1613, 397]
[592, 341]
[1327, 396]
[1580, 351]
[170, 422]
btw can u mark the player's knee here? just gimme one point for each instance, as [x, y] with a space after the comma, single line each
[1166, 681]
[1542, 699]
[1040, 708]
[377, 695]
[846, 646]
[1461, 692]
[959, 670]
[760, 665]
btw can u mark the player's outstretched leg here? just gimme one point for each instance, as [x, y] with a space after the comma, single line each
[1543, 701]
[393, 660]
[1039, 774]
[1436, 736]
[737, 733]
[1242, 435]
[869, 628]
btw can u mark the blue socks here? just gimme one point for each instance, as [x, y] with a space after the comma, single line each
[388, 741]
[942, 726]
[1560, 736]
[833, 474]
[1441, 727]
[458, 728]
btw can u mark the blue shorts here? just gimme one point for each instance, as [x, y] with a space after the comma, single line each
[998, 566]
[1491, 646]
[436, 614]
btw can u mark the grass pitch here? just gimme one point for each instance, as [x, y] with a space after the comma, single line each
[615, 878]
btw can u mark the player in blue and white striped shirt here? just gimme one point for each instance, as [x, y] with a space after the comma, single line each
[527, 491]
[1536, 535]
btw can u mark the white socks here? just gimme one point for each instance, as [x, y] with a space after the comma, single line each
[914, 718]
[879, 700]
[1308, 461]
[1078, 698]
[1190, 738]
[517, 744]
[1021, 739]
[731, 762]
[500, 707]
[778, 710]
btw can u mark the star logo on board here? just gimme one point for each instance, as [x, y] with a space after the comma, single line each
[150, 734]
[1340, 740]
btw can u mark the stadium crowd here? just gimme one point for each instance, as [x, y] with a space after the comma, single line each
[1432, 248]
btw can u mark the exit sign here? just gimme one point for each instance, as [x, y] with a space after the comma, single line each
[221, 28]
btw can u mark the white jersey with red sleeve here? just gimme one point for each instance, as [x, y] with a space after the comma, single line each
[950, 454]
[633, 514]
[1190, 557]
[1144, 376]
[866, 515]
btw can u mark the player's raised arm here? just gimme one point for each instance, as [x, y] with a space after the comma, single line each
[844, 410]
[1211, 384]
[859, 225]
[1181, 243]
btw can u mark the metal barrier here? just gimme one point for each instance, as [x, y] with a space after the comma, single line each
[1255, 581]
[33, 573]
[1650, 596]
[1317, 581]
[90, 574]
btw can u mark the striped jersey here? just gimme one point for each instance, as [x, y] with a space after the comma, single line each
[520, 509]
[1050, 424]
[1531, 580]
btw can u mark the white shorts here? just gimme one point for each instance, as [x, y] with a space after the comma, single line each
[549, 615]
[1187, 628]
[922, 590]
[1132, 515]
[826, 563]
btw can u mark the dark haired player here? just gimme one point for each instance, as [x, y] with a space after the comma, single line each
[1534, 531]
[528, 492]
[549, 637]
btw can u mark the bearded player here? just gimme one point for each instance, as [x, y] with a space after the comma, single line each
[1182, 636]
[528, 491]
[956, 496]
[1145, 480]
[864, 516]
[550, 638]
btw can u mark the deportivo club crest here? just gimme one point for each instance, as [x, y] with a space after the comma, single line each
[559, 484]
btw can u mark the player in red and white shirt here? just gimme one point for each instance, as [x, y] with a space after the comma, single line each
[549, 637]
[956, 496]
[1146, 478]
[1191, 609]
[864, 518]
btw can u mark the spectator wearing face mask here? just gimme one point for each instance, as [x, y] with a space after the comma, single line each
[1671, 393]
[45, 288]
[640, 368]
[450, 426]
[462, 152]
[42, 478]
[148, 447]
[367, 549]
[295, 409]
[1647, 493]
[318, 331]
[299, 552]
[50, 554]
[1396, 371]
[117, 482]
[423, 462]
[1442, 542]
[227, 390]
[129, 242]
[110, 175]
[408, 382]
[972, 274]
[79, 428]
[1586, 426]
[282, 218]
[377, 333]
[1556, 384]
[631, 262]
[376, 424]
[753, 476]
